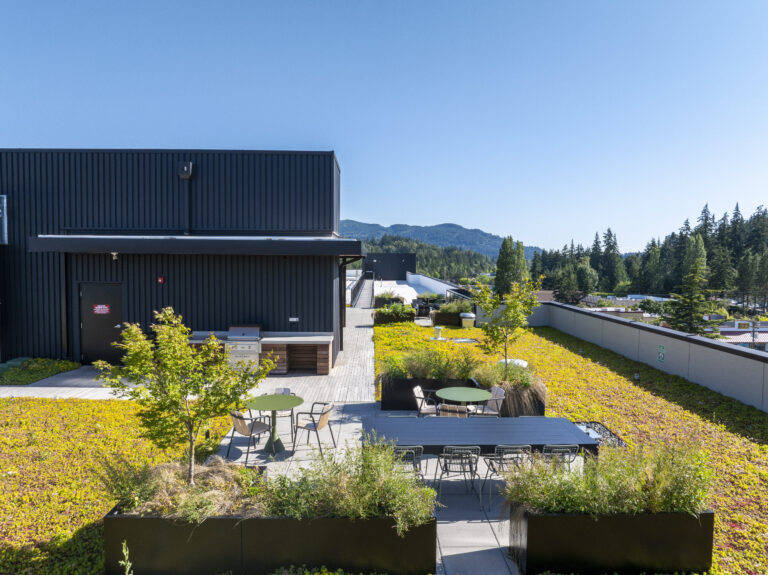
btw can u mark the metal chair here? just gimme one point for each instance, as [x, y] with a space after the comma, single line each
[561, 454]
[314, 421]
[249, 427]
[505, 458]
[492, 406]
[410, 457]
[458, 460]
[450, 410]
[425, 404]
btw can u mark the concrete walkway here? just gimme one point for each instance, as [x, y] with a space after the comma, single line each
[79, 383]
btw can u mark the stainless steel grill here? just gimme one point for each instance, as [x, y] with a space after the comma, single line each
[244, 343]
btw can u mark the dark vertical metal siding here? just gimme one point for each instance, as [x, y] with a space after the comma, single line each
[215, 292]
[125, 191]
[31, 283]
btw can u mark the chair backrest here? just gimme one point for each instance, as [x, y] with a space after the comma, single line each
[449, 410]
[325, 415]
[418, 393]
[409, 454]
[497, 398]
[566, 453]
[461, 449]
[239, 423]
[282, 391]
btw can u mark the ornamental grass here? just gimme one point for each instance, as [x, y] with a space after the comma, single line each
[52, 498]
[588, 383]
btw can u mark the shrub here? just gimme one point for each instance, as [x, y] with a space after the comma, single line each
[464, 363]
[129, 483]
[388, 295]
[428, 296]
[361, 482]
[394, 313]
[456, 306]
[432, 363]
[490, 374]
[36, 369]
[621, 480]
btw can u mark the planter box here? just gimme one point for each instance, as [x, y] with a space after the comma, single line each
[440, 318]
[380, 319]
[260, 546]
[397, 394]
[382, 301]
[649, 542]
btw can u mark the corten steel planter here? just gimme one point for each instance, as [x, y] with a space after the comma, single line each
[440, 318]
[397, 394]
[382, 301]
[381, 320]
[647, 542]
[260, 546]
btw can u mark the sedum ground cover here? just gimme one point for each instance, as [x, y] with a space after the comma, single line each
[586, 382]
[51, 497]
[34, 370]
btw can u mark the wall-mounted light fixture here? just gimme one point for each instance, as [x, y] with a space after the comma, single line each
[114, 256]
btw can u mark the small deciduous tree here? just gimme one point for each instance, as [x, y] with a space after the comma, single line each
[507, 315]
[178, 387]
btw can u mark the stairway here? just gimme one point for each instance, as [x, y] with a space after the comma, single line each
[365, 297]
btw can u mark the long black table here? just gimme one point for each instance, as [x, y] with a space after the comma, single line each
[434, 433]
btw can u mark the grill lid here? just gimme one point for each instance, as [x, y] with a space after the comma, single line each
[244, 332]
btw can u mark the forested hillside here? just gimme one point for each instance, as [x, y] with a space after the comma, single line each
[443, 235]
[448, 263]
[735, 248]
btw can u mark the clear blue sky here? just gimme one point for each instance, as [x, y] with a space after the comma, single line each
[544, 120]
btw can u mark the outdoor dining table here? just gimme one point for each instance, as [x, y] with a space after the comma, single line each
[463, 395]
[434, 433]
[274, 403]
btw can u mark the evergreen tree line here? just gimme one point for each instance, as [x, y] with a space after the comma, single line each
[734, 252]
[450, 263]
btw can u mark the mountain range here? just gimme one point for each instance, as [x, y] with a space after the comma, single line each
[443, 235]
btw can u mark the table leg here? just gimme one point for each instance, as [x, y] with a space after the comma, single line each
[275, 444]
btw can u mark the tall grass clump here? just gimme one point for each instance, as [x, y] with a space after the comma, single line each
[361, 482]
[653, 480]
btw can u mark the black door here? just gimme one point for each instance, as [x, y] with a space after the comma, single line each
[101, 318]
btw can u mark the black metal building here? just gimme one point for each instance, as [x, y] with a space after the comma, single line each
[100, 237]
[390, 266]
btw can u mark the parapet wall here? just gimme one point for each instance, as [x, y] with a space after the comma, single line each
[731, 370]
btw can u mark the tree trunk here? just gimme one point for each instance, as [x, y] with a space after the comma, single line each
[191, 468]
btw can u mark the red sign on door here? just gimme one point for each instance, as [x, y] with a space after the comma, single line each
[101, 309]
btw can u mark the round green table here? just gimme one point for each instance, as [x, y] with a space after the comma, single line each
[463, 395]
[274, 403]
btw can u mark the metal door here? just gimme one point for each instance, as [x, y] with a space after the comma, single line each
[101, 319]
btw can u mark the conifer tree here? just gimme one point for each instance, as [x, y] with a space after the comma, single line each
[687, 309]
[510, 266]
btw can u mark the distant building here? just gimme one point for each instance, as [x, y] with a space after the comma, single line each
[746, 333]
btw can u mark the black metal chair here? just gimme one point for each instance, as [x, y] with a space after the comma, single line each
[561, 454]
[314, 421]
[505, 458]
[249, 427]
[410, 457]
[458, 460]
